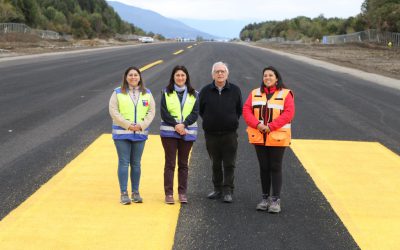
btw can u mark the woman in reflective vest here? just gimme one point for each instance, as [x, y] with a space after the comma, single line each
[132, 109]
[178, 130]
[268, 112]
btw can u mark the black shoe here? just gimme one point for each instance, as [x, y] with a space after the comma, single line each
[228, 198]
[214, 195]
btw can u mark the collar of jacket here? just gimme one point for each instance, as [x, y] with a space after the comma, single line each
[268, 90]
[227, 85]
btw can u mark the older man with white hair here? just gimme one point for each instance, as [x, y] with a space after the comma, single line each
[220, 109]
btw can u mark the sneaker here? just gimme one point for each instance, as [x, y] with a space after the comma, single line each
[214, 195]
[125, 198]
[264, 204]
[169, 199]
[182, 198]
[274, 206]
[228, 198]
[136, 197]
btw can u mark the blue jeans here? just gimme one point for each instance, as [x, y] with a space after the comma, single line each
[129, 153]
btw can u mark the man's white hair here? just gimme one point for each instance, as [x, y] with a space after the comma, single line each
[219, 63]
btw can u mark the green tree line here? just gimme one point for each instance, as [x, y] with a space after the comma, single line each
[383, 15]
[81, 18]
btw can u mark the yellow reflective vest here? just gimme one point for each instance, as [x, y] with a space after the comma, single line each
[133, 113]
[179, 113]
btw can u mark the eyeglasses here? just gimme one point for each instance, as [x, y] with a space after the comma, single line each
[219, 72]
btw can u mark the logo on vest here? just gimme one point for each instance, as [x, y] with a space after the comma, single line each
[145, 103]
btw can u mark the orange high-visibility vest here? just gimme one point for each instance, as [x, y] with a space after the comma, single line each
[275, 106]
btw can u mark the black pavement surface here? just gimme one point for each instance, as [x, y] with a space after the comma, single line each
[52, 107]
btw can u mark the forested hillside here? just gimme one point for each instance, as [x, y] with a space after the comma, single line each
[81, 18]
[383, 15]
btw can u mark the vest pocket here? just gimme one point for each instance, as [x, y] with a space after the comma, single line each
[278, 138]
[255, 136]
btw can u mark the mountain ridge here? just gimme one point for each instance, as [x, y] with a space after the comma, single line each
[151, 21]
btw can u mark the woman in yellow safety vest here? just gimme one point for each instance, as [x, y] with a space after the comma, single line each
[268, 112]
[178, 130]
[132, 109]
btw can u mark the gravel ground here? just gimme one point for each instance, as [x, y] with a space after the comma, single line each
[370, 58]
[15, 44]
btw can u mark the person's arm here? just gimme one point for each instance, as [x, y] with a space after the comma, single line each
[248, 115]
[165, 115]
[239, 104]
[150, 114]
[287, 114]
[192, 117]
[202, 101]
[118, 119]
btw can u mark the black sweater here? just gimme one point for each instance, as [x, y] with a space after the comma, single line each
[220, 111]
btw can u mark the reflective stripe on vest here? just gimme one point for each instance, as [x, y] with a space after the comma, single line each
[133, 113]
[275, 106]
[175, 110]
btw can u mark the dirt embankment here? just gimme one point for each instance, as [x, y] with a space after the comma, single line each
[371, 58]
[15, 44]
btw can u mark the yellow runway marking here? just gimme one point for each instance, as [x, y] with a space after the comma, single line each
[79, 207]
[189, 46]
[178, 52]
[151, 65]
[361, 181]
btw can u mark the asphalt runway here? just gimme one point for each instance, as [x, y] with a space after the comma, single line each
[53, 107]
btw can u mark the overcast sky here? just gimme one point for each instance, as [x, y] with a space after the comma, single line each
[249, 10]
[225, 18]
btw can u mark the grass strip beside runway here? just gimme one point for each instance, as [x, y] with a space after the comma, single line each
[79, 207]
[361, 182]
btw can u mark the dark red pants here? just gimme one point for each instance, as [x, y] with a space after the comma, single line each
[173, 147]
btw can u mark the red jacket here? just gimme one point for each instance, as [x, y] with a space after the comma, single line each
[284, 118]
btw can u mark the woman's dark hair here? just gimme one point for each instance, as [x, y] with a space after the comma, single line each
[170, 87]
[125, 85]
[279, 84]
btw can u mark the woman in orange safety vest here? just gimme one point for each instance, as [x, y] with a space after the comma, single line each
[268, 112]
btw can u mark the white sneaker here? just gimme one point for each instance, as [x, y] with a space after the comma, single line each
[263, 205]
[274, 206]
